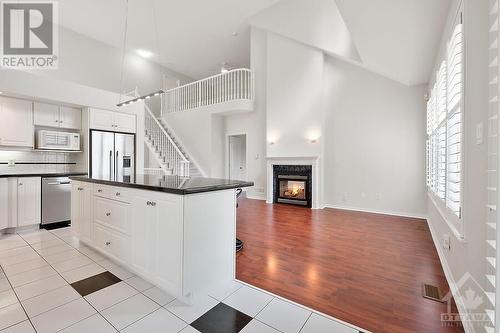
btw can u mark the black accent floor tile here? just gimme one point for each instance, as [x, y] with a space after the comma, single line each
[221, 319]
[94, 283]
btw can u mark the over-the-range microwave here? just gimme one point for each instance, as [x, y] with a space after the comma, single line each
[58, 140]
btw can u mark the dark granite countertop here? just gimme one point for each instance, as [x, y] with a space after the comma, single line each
[41, 174]
[172, 184]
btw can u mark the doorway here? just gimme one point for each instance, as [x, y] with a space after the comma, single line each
[237, 166]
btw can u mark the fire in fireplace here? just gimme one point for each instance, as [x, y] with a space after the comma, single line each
[292, 184]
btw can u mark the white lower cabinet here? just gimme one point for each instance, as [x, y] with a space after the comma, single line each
[29, 201]
[114, 244]
[81, 210]
[4, 203]
[157, 237]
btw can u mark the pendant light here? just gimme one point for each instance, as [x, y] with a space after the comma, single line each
[124, 49]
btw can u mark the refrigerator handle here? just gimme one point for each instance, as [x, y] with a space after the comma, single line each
[110, 164]
[116, 166]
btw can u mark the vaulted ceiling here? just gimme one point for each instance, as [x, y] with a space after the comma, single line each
[395, 38]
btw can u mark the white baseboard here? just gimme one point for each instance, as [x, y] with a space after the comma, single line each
[468, 328]
[255, 193]
[376, 211]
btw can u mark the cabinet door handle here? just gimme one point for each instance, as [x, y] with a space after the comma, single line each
[108, 214]
[151, 203]
[118, 194]
[99, 190]
[20, 184]
[108, 243]
[80, 189]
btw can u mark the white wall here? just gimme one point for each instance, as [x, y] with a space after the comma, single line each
[253, 124]
[89, 62]
[469, 255]
[374, 142]
[294, 98]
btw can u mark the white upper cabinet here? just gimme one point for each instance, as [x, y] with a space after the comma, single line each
[124, 122]
[52, 115]
[29, 193]
[112, 121]
[16, 125]
[70, 117]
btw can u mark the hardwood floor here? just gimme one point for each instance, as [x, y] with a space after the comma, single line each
[365, 269]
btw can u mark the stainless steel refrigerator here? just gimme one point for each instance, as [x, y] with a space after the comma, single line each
[112, 156]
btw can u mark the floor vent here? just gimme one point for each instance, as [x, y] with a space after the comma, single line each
[431, 292]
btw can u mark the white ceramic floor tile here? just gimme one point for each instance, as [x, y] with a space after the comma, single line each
[14, 244]
[39, 287]
[7, 298]
[96, 324]
[130, 310]
[63, 256]
[320, 324]
[47, 244]
[4, 284]
[63, 316]
[72, 241]
[22, 327]
[138, 283]
[108, 264]
[61, 231]
[40, 237]
[8, 261]
[50, 300]
[284, 316]
[159, 296]
[19, 251]
[121, 273]
[31, 276]
[71, 264]
[190, 313]
[256, 326]
[95, 256]
[11, 315]
[248, 300]
[82, 272]
[63, 247]
[224, 290]
[24, 266]
[189, 329]
[109, 296]
[157, 322]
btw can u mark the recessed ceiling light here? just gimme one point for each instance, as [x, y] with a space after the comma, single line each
[145, 53]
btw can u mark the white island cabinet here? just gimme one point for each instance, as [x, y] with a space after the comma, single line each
[178, 237]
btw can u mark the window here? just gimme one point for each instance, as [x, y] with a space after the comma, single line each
[444, 130]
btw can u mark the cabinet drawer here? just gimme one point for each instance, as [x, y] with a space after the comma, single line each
[111, 213]
[112, 243]
[111, 192]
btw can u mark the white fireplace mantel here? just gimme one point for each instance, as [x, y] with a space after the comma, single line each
[313, 161]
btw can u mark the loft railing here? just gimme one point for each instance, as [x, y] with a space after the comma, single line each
[172, 160]
[236, 84]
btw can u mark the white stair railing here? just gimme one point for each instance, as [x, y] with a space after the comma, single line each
[236, 84]
[172, 160]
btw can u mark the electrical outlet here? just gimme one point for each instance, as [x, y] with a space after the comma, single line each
[11, 163]
[446, 242]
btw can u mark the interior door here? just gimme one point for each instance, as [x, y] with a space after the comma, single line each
[237, 157]
[102, 156]
[125, 157]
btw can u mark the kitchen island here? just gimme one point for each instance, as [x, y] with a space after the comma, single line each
[177, 233]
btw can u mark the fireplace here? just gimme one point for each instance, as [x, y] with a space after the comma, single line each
[292, 184]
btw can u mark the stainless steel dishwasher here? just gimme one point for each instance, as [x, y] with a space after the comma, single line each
[56, 200]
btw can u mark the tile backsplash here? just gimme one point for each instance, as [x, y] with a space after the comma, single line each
[38, 162]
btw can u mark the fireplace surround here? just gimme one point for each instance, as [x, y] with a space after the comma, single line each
[292, 184]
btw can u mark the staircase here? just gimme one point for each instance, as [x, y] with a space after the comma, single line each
[166, 150]
[221, 93]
